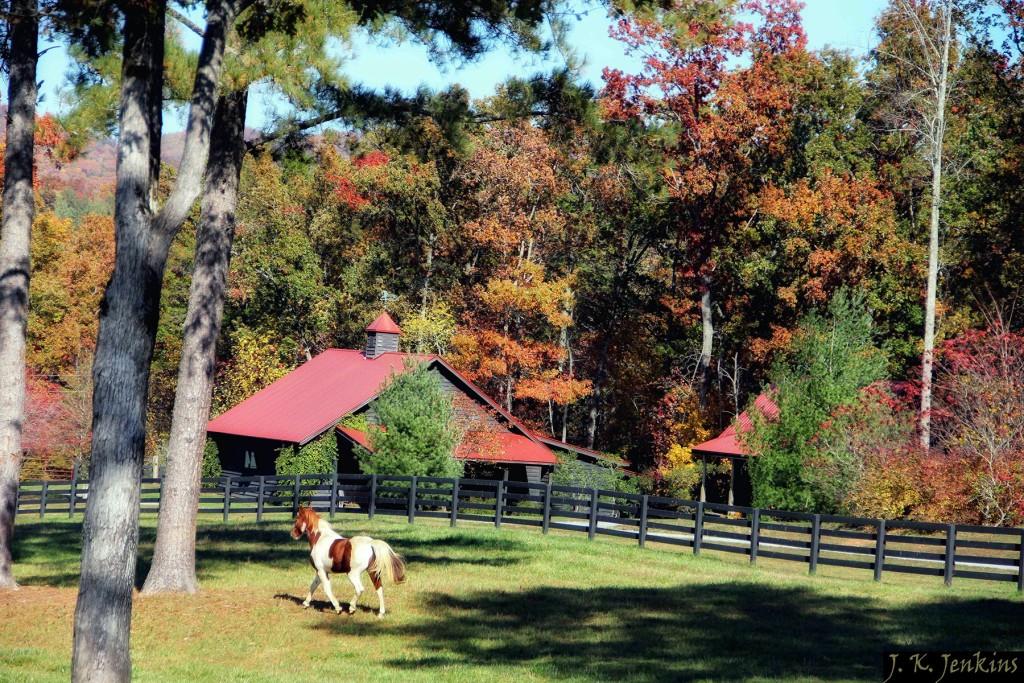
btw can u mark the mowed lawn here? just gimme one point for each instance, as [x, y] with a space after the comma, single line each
[485, 604]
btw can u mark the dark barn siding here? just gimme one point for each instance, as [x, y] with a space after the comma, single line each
[233, 452]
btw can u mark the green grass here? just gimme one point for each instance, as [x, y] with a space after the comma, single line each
[484, 604]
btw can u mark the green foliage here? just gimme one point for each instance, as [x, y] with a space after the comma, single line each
[211, 460]
[418, 434]
[831, 359]
[571, 472]
[316, 457]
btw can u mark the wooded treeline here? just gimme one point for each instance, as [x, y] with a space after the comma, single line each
[618, 267]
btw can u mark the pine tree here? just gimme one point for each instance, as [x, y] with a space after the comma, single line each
[417, 433]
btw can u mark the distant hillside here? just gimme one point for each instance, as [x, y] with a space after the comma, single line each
[91, 174]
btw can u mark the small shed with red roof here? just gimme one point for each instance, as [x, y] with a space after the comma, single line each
[729, 446]
[313, 399]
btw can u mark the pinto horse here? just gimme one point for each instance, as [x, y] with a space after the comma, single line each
[330, 552]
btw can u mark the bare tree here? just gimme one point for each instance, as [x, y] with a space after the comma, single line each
[921, 110]
[18, 213]
[128, 319]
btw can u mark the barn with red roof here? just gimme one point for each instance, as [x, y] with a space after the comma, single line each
[729, 446]
[313, 399]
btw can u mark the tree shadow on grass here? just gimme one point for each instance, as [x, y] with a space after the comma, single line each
[718, 631]
[58, 543]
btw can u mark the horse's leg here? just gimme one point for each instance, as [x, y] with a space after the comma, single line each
[357, 583]
[327, 589]
[379, 585]
[312, 588]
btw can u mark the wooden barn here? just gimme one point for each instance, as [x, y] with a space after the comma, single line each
[729, 446]
[312, 399]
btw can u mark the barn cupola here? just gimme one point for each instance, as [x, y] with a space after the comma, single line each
[382, 336]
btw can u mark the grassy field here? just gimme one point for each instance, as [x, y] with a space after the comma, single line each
[485, 604]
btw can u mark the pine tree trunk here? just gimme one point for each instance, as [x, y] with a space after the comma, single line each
[15, 237]
[128, 320]
[938, 134]
[174, 559]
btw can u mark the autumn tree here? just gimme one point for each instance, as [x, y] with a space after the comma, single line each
[979, 416]
[515, 340]
[724, 126]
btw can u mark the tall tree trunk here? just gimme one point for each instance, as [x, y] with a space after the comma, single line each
[18, 212]
[128, 320]
[937, 136]
[174, 558]
[596, 396]
[707, 340]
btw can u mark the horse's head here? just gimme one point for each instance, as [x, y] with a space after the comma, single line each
[305, 521]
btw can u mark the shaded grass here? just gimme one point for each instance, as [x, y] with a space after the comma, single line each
[486, 604]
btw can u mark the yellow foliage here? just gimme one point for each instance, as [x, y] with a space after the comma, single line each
[256, 364]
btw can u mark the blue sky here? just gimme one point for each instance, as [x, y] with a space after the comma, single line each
[842, 24]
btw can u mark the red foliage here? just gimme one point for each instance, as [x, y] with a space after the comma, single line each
[979, 417]
[53, 435]
[372, 159]
[346, 191]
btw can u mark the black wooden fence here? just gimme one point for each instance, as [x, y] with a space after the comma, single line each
[876, 545]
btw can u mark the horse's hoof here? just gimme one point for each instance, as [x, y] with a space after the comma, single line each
[337, 611]
[305, 605]
[380, 615]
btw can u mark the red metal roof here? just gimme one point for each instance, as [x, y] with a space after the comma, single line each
[357, 436]
[384, 324]
[597, 455]
[312, 397]
[728, 442]
[506, 447]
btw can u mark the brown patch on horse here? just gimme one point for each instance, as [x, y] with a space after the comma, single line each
[341, 556]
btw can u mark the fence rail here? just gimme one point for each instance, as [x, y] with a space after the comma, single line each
[877, 545]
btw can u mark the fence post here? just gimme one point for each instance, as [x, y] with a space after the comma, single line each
[592, 531]
[947, 574]
[227, 497]
[642, 534]
[499, 502]
[1020, 564]
[815, 544]
[880, 550]
[755, 533]
[334, 494]
[698, 528]
[412, 500]
[373, 494]
[546, 521]
[74, 490]
[259, 498]
[42, 499]
[454, 510]
[295, 494]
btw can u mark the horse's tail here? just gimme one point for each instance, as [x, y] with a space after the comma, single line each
[387, 564]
